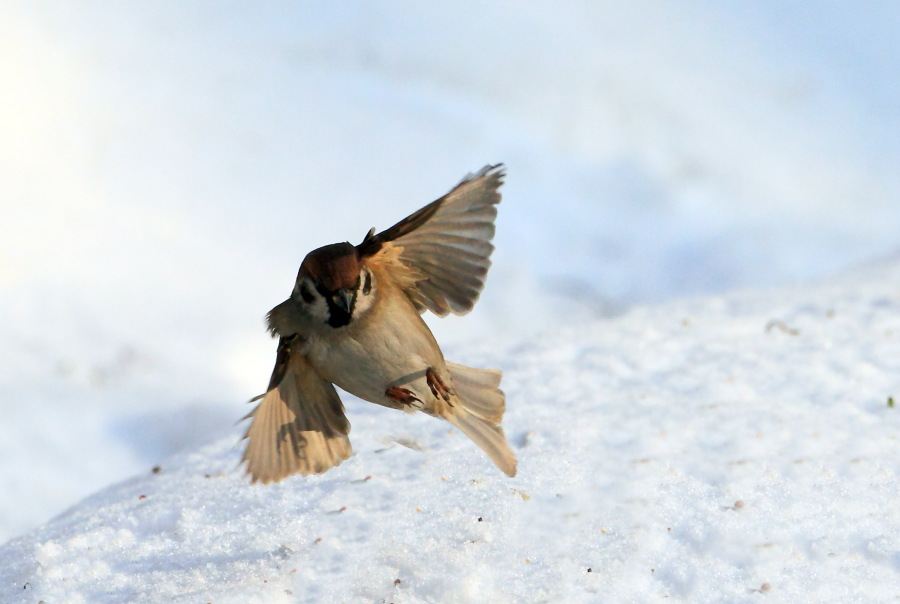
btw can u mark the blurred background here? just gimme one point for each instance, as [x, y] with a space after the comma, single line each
[165, 166]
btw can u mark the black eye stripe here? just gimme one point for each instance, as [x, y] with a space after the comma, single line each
[367, 284]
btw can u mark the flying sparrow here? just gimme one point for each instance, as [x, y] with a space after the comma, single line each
[353, 320]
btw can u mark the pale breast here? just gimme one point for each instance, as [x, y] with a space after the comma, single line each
[390, 346]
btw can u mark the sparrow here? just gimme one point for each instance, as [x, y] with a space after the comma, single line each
[353, 320]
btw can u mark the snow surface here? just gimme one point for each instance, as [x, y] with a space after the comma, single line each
[165, 167]
[708, 450]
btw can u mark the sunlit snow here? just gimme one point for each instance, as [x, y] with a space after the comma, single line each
[694, 298]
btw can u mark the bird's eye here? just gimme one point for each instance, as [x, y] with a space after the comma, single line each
[305, 293]
[367, 284]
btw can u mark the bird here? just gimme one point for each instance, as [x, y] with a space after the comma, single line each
[354, 320]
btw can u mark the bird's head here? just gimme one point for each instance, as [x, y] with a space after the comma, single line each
[334, 285]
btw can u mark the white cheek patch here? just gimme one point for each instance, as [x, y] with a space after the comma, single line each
[319, 309]
[313, 303]
[364, 300]
[363, 303]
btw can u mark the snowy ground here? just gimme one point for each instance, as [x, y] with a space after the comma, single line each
[166, 166]
[709, 450]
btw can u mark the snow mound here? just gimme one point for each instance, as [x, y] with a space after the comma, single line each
[165, 167]
[706, 450]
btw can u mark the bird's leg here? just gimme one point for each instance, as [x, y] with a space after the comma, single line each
[438, 388]
[403, 396]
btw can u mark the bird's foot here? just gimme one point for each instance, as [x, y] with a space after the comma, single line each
[438, 387]
[404, 397]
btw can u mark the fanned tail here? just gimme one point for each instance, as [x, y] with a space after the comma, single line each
[483, 404]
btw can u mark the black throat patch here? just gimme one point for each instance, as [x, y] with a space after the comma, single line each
[337, 316]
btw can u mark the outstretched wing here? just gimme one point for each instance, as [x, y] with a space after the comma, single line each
[299, 427]
[448, 243]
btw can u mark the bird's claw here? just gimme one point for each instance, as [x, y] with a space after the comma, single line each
[438, 387]
[403, 396]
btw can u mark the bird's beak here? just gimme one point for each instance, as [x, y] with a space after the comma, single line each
[344, 300]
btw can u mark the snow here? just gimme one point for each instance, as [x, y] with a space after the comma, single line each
[693, 298]
[697, 450]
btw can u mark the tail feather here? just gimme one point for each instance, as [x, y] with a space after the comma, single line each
[479, 391]
[483, 404]
[490, 438]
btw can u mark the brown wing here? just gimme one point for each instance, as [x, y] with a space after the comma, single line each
[448, 242]
[299, 427]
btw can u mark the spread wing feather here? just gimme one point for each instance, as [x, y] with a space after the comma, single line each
[299, 427]
[448, 243]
